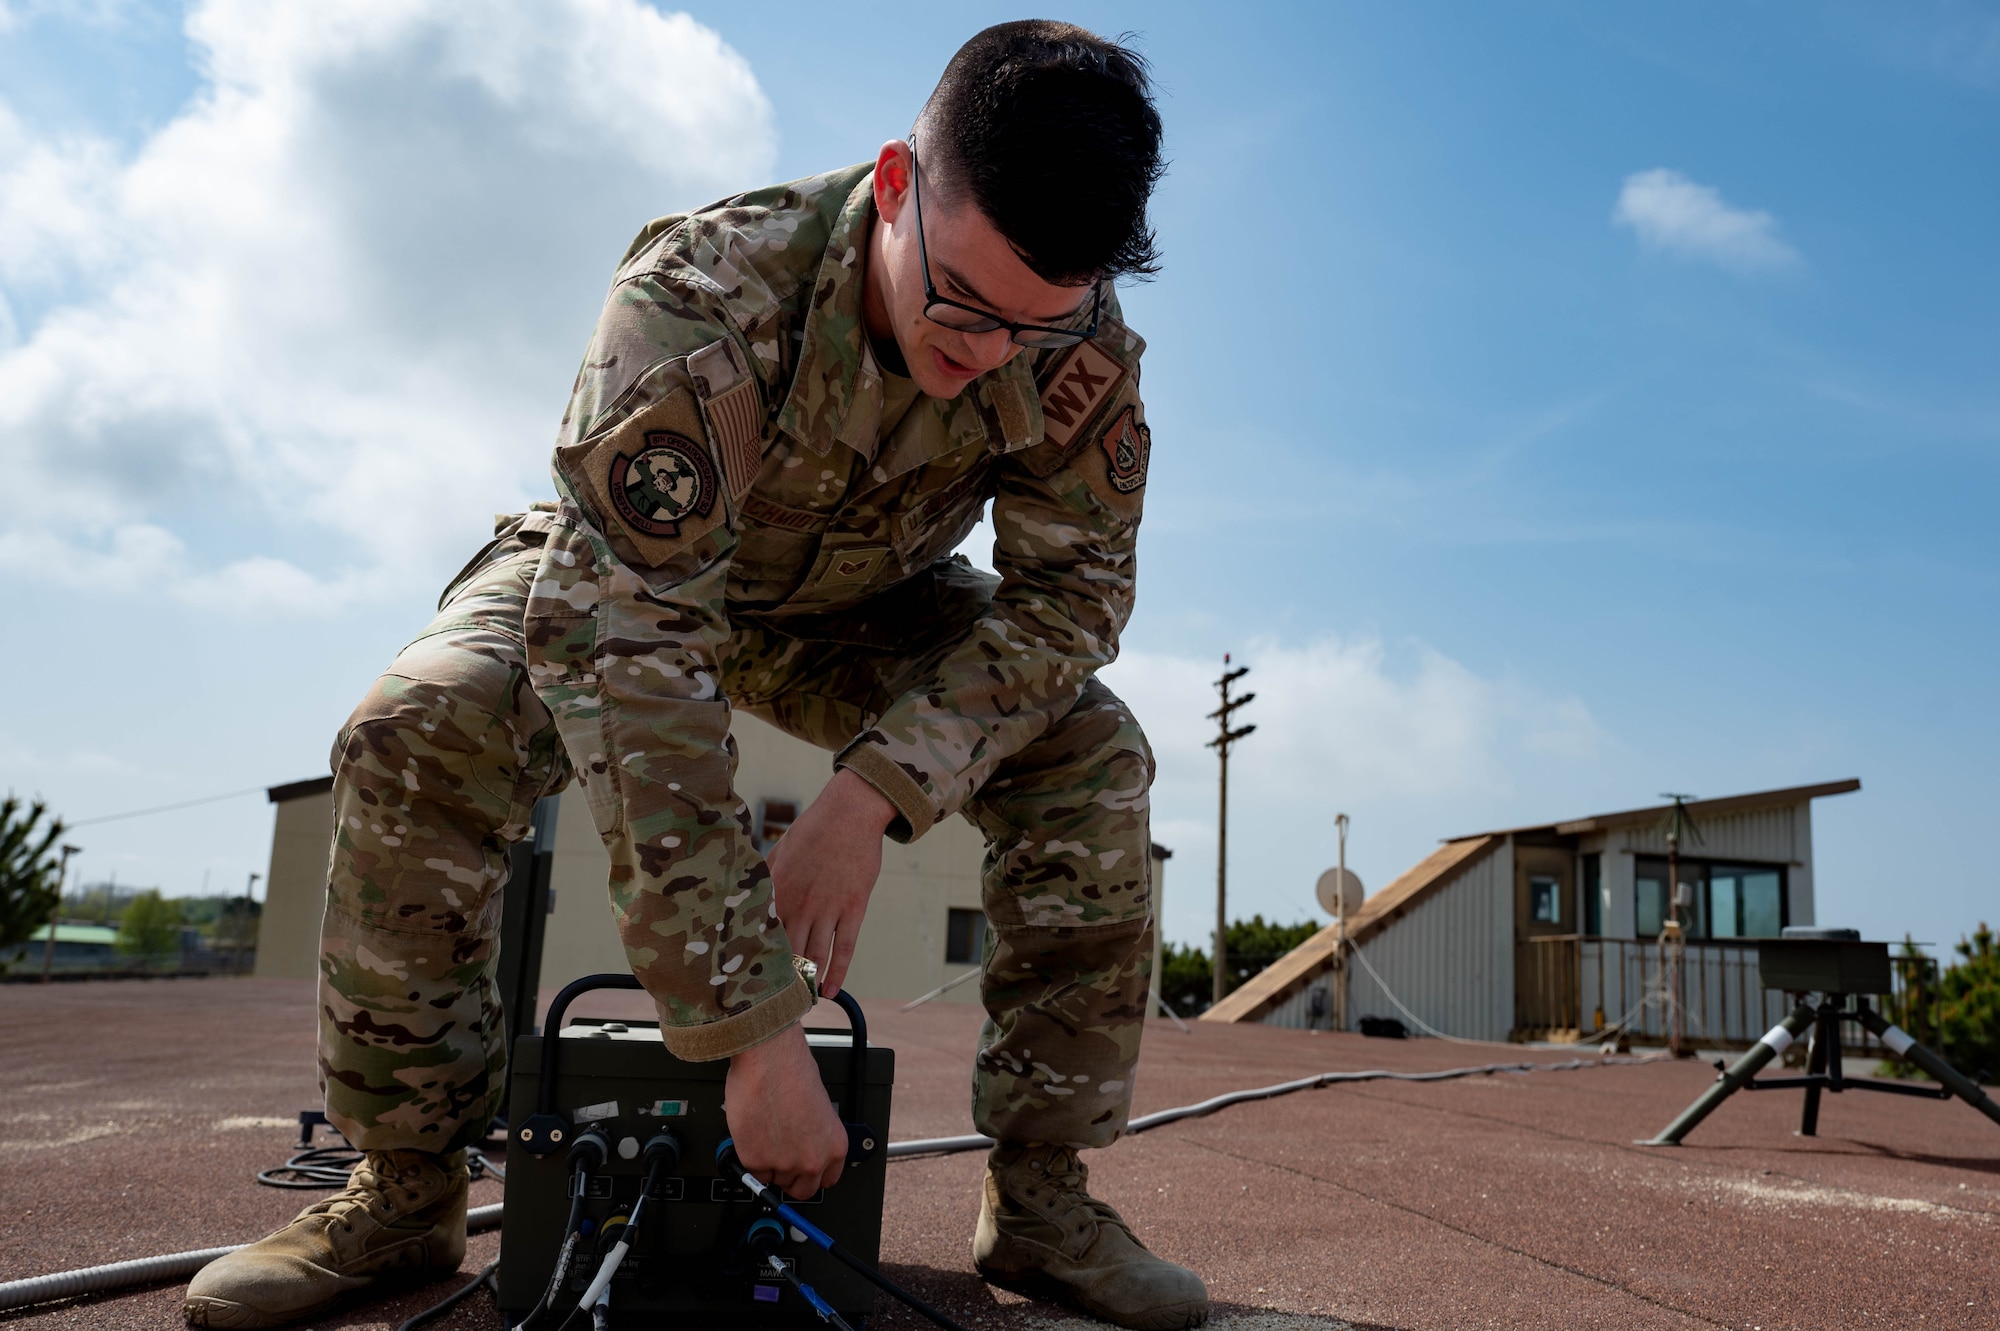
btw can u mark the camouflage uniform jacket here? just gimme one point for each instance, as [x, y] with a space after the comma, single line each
[723, 462]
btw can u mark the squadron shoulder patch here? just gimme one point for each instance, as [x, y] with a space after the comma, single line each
[667, 481]
[1127, 445]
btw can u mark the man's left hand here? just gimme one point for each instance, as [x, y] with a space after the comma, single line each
[824, 869]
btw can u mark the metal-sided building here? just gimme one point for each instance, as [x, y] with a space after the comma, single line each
[1550, 932]
[924, 926]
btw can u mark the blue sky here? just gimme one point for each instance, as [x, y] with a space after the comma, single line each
[1554, 404]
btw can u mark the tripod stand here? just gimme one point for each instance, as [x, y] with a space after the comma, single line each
[1830, 957]
[1823, 1070]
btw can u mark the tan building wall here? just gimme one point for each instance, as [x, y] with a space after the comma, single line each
[901, 954]
[295, 884]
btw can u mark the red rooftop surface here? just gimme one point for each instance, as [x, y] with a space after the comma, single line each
[134, 1116]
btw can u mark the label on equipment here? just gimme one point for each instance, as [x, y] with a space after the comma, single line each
[592, 1113]
[665, 1109]
[1778, 1038]
[1898, 1040]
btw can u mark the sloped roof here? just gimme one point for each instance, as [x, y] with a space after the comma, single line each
[1310, 959]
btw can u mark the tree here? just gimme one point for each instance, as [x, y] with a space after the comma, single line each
[30, 873]
[1253, 945]
[1187, 979]
[151, 927]
[1968, 1008]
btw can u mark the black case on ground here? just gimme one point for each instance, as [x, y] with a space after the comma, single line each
[689, 1269]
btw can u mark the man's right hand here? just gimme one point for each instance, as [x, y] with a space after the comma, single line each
[786, 1130]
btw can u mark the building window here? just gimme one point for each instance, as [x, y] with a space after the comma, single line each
[1725, 900]
[774, 820]
[964, 937]
[1745, 901]
[1649, 898]
[1545, 899]
[1593, 895]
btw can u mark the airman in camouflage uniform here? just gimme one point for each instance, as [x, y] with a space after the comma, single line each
[794, 562]
[753, 512]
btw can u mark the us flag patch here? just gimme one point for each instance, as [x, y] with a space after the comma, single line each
[735, 416]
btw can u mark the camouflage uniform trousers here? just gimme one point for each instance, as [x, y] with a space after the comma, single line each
[437, 772]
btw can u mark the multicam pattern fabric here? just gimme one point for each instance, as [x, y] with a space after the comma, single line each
[810, 585]
[435, 774]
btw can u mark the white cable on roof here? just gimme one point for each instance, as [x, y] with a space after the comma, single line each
[1389, 993]
[976, 1142]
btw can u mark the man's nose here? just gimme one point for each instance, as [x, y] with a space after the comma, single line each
[991, 350]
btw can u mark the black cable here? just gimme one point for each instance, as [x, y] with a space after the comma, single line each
[770, 1197]
[579, 1177]
[812, 1297]
[330, 1166]
[884, 1282]
[484, 1279]
[315, 1167]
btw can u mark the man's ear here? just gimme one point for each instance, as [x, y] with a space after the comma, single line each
[892, 179]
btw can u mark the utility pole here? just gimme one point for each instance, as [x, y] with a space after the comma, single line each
[1340, 929]
[1221, 743]
[243, 931]
[55, 914]
[1673, 945]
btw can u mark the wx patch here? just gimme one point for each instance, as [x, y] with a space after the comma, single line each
[667, 481]
[1127, 445]
[1084, 382]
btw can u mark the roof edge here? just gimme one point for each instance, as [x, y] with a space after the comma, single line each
[298, 790]
[1598, 822]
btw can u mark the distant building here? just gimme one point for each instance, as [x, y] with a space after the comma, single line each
[1550, 932]
[924, 928]
[78, 947]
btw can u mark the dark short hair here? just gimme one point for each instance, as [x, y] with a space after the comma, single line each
[1052, 133]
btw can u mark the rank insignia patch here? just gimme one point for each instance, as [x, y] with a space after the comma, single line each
[671, 479]
[1126, 446]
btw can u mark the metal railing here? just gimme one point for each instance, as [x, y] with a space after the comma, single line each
[1577, 986]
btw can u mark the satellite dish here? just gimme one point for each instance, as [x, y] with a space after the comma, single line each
[1338, 888]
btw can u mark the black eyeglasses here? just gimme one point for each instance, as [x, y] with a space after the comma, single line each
[962, 318]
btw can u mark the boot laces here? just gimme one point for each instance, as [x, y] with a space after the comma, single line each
[368, 1192]
[1069, 1179]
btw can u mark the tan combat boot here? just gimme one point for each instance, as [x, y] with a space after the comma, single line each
[403, 1214]
[1041, 1232]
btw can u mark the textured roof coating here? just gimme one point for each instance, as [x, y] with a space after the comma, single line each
[1495, 1201]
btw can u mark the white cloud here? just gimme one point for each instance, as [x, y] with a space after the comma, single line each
[1340, 714]
[340, 296]
[1670, 212]
[1412, 743]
